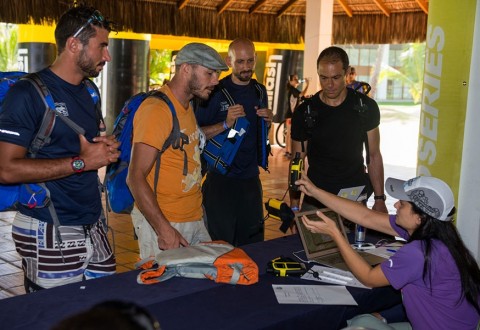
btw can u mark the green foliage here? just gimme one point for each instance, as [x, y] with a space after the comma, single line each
[8, 47]
[411, 71]
[159, 65]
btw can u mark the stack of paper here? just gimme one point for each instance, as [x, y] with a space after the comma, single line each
[332, 276]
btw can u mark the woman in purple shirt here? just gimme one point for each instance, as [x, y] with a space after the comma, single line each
[438, 276]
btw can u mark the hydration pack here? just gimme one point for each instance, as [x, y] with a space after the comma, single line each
[119, 197]
[217, 261]
[221, 150]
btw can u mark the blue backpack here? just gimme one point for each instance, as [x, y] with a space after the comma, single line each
[119, 197]
[221, 150]
[7, 80]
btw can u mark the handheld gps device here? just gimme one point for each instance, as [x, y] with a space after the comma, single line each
[283, 266]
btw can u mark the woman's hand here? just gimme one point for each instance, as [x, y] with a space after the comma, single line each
[324, 226]
[306, 186]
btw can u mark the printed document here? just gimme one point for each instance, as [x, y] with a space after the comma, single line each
[313, 294]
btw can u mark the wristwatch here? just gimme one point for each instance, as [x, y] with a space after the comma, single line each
[382, 197]
[78, 164]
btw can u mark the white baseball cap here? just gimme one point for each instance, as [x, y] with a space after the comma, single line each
[431, 195]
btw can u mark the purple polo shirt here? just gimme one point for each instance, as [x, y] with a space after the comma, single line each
[434, 302]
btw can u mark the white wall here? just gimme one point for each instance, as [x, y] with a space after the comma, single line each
[468, 217]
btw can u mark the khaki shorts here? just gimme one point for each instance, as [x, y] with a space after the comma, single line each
[193, 231]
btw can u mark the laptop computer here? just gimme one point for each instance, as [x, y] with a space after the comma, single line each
[321, 248]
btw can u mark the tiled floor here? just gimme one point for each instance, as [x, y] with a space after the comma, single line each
[126, 248]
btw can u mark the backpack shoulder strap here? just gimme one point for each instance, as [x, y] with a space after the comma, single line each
[102, 127]
[176, 139]
[259, 91]
[362, 109]
[263, 144]
[43, 134]
[48, 121]
[227, 95]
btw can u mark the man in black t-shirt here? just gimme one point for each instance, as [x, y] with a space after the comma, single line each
[333, 135]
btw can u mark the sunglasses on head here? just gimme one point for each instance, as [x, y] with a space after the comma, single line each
[95, 17]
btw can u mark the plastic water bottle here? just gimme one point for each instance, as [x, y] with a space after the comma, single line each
[359, 235]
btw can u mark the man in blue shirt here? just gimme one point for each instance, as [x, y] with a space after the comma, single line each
[67, 164]
[233, 202]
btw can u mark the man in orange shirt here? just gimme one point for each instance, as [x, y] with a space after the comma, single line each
[172, 217]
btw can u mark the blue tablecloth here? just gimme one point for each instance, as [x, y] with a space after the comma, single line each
[181, 303]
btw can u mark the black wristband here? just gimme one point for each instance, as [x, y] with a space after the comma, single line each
[380, 197]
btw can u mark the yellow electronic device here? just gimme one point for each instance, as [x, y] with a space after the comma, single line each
[273, 207]
[279, 210]
[296, 171]
[283, 266]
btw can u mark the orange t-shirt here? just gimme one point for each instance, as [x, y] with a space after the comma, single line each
[178, 196]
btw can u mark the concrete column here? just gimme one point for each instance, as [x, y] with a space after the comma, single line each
[36, 47]
[126, 75]
[318, 36]
[382, 86]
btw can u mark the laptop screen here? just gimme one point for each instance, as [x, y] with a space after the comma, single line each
[317, 244]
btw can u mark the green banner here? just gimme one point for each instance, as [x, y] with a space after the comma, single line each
[449, 45]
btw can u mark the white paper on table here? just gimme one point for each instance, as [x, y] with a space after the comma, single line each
[333, 276]
[313, 294]
[386, 251]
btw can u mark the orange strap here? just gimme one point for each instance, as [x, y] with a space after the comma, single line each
[227, 263]
[151, 276]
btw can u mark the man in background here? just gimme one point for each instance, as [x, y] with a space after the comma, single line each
[233, 202]
[331, 128]
[359, 86]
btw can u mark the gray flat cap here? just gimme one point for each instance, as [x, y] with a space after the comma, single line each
[198, 53]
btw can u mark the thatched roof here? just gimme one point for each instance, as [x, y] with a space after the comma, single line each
[279, 21]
